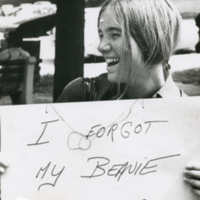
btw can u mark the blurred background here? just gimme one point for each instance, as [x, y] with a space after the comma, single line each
[40, 27]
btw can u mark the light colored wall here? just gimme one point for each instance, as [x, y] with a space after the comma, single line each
[187, 5]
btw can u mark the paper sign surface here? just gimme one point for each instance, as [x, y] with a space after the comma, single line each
[133, 150]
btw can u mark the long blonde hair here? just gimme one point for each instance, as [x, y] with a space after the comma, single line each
[155, 25]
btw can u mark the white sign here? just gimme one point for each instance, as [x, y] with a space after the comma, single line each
[133, 150]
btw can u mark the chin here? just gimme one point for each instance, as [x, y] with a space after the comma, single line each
[112, 78]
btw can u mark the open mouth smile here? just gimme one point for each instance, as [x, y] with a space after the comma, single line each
[112, 61]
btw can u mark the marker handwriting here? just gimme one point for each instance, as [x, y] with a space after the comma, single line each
[52, 174]
[103, 168]
[37, 142]
[126, 129]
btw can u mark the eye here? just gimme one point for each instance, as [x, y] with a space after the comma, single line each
[115, 36]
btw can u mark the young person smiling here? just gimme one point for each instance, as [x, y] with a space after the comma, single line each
[137, 39]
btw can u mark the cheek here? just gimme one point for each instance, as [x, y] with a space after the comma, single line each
[117, 47]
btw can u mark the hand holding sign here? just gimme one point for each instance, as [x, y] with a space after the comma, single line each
[3, 166]
[192, 177]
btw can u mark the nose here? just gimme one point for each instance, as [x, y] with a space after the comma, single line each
[104, 46]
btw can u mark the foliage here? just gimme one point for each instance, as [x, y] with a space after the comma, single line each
[44, 85]
[187, 76]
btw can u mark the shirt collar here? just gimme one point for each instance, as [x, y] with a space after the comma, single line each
[169, 89]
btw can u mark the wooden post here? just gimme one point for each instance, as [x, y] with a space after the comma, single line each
[69, 55]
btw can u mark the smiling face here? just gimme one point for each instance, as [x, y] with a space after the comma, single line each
[122, 62]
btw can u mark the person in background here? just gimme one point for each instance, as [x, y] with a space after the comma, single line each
[13, 53]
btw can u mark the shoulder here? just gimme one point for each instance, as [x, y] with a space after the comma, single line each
[79, 89]
[103, 88]
[73, 92]
[13, 54]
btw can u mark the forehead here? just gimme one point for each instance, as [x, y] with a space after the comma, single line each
[108, 19]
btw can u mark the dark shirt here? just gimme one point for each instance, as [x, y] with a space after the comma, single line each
[74, 91]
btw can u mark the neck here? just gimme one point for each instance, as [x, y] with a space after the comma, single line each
[147, 84]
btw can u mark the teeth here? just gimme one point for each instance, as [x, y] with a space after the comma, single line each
[110, 60]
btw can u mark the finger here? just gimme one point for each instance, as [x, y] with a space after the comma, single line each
[193, 167]
[194, 183]
[2, 170]
[195, 191]
[3, 164]
[192, 174]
